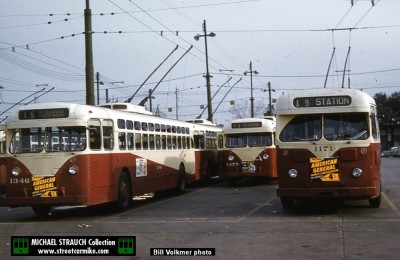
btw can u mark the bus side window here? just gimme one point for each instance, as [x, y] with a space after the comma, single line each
[184, 140]
[158, 142]
[108, 134]
[199, 139]
[2, 141]
[169, 142]
[374, 123]
[138, 141]
[145, 141]
[122, 140]
[130, 141]
[220, 141]
[163, 142]
[152, 142]
[179, 144]
[94, 134]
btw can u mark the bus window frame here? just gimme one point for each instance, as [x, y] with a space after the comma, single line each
[108, 134]
[309, 122]
[122, 140]
[95, 140]
[130, 140]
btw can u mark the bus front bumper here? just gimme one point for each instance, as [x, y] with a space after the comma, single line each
[349, 192]
[34, 201]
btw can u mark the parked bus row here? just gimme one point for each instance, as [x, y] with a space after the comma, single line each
[70, 154]
[324, 143]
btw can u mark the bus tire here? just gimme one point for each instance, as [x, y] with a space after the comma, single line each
[124, 193]
[42, 211]
[232, 182]
[181, 187]
[376, 202]
[287, 203]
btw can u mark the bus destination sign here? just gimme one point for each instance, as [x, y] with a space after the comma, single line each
[246, 125]
[43, 113]
[326, 101]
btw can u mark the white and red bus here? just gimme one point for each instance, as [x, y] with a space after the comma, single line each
[328, 146]
[246, 149]
[71, 154]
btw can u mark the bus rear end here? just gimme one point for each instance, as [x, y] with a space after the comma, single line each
[328, 146]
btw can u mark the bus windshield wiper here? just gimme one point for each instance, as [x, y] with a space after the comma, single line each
[311, 140]
[363, 132]
[355, 137]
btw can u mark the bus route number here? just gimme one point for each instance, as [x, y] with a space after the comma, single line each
[323, 101]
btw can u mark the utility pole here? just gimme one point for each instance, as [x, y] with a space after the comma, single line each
[270, 98]
[89, 56]
[150, 100]
[98, 83]
[208, 76]
[251, 86]
[176, 101]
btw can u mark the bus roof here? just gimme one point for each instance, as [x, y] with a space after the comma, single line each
[200, 121]
[324, 100]
[127, 107]
[67, 114]
[250, 125]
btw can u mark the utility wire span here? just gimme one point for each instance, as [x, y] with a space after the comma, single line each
[148, 10]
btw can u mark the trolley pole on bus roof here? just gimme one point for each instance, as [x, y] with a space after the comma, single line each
[89, 56]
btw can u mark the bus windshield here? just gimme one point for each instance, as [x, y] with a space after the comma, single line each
[51, 139]
[251, 140]
[345, 126]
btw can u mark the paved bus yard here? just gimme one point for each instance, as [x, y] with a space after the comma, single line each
[242, 222]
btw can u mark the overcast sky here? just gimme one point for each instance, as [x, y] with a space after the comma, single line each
[289, 42]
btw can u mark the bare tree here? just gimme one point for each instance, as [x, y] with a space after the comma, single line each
[241, 109]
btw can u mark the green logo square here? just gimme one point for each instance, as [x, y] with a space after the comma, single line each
[126, 246]
[20, 246]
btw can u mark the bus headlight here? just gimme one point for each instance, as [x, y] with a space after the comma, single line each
[231, 157]
[357, 172]
[73, 170]
[265, 156]
[16, 171]
[293, 173]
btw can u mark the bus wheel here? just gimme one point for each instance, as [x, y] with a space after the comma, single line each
[287, 203]
[41, 211]
[232, 182]
[180, 189]
[124, 193]
[376, 202]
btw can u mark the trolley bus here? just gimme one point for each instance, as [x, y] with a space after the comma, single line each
[71, 154]
[246, 149]
[328, 146]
